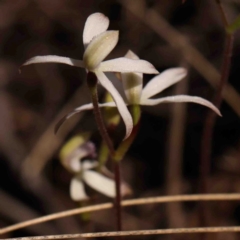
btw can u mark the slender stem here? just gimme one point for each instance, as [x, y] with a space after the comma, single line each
[206, 145]
[92, 84]
[118, 155]
[117, 176]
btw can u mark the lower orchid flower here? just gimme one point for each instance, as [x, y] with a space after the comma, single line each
[136, 94]
[72, 156]
[95, 180]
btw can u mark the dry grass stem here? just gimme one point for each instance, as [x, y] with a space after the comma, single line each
[134, 233]
[125, 203]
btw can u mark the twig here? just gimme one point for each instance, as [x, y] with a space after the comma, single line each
[125, 203]
[134, 233]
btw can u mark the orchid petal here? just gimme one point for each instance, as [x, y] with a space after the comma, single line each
[124, 64]
[74, 164]
[95, 24]
[115, 78]
[181, 98]
[131, 55]
[132, 82]
[77, 191]
[85, 107]
[54, 59]
[121, 105]
[99, 48]
[99, 183]
[163, 81]
[88, 164]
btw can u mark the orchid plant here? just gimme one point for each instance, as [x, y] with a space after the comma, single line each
[136, 94]
[98, 43]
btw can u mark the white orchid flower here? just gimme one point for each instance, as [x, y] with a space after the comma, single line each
[134, 93]
[98, 43]
[72, 155]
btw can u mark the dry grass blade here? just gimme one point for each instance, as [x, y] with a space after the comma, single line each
[24, 211]
[131, 202]
[134, 233]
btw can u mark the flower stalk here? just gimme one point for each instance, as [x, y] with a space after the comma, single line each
[117, 155]
[118, 207]
[92, 85]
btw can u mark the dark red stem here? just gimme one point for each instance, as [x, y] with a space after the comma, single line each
[92, 84]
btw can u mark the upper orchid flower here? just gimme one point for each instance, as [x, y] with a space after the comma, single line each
[135, 94]
[98, 44]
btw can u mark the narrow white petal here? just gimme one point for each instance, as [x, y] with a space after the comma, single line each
[115, 78]
[99, 48]
[163, 81]
[131, 55]
[85, 107]
[95, 24]
[181, 98]
[121, 105]
[132, 82]
[127, 65]
[77, 191]
[88, 164]
[99, 183]
[54, 59]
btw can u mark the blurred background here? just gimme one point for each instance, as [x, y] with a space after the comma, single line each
[164, 159]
